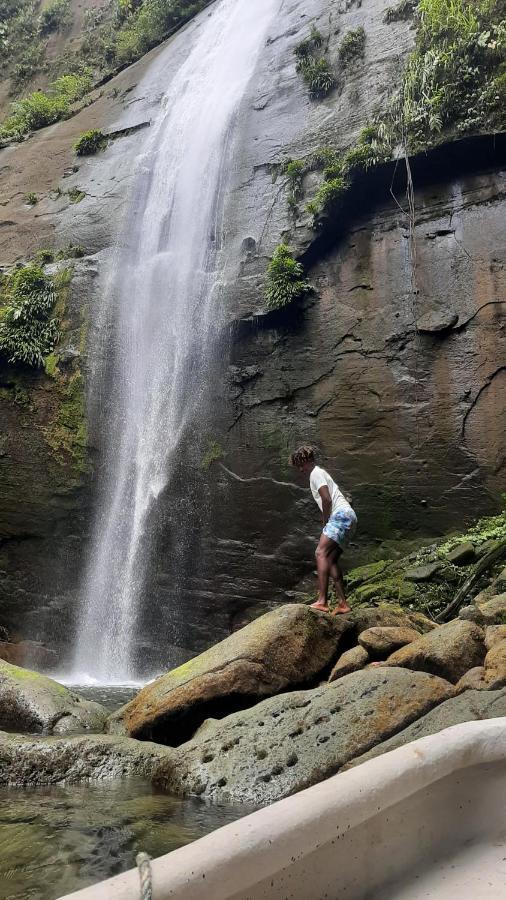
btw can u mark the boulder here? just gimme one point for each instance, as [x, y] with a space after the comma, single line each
[468, 707]
[380, 641]
[28, 653]
[473, 680]
[287, 647]
[34, 703]
[462, 554]
[291, 741]
[25, 760]
[494, 634]
[493, 611]
[423, 573]
[351, 661]
[448, 651]
[495, 666]
[472, 614]
[388, 616]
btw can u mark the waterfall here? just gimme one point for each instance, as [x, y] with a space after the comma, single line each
[164, 288]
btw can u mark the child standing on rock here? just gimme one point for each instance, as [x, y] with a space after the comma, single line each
[339, 525]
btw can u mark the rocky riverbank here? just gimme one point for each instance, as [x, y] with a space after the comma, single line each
[294, 696]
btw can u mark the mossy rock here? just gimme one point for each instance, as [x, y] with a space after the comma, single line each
[34, 703]
[285, 648]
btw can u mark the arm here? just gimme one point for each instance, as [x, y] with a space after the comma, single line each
[326, 503]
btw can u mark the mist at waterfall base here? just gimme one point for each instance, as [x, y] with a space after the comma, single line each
[163, 302]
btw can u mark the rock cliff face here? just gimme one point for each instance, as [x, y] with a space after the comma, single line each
[399, 381]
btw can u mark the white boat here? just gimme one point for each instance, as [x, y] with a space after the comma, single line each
[427, 820]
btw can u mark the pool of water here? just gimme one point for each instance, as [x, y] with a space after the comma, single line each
[59, 838]
[54, 840]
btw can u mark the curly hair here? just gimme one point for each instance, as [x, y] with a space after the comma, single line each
[302, 455]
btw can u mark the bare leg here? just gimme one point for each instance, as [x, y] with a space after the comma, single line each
[325, 553]
[337, 576]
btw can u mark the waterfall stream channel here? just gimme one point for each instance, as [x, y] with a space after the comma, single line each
[163, 296]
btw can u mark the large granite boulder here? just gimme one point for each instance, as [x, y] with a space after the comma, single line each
[381, 641]
[472, 680]
[388, 616]
[53, 760]
[285, 648]
[292, 741]
[494, 634]
[448, 651]
[494, 610]
[28, 653]
[350, 661]
[495, 666]
[34, 703]
[468, 707]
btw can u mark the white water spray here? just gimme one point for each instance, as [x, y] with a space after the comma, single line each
[164, 288]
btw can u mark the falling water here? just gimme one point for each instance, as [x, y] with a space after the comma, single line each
[164, 282]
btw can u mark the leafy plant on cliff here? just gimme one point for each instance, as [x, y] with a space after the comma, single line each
[352, 46]
[28, 328]
[148, 23]
[90, 142]
[403, 11]
[285, 279]
[55, 16]
[45, 107]
[453, 79]
[313, 65]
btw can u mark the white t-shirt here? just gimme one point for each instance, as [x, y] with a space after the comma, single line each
[320, 478]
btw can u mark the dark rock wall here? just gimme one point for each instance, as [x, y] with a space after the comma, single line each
[410, 421]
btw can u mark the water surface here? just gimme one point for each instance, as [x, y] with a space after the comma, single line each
[58, 839]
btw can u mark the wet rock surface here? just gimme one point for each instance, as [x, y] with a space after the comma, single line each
[381, 641]
[495, 666]
[448, 651]
[468, 707]
[350, 661]
[285, 648]
[34, 703]
[291, 741]
[54, 760]
[348, 370]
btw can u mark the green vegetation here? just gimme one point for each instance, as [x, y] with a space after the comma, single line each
[401, 12]
[339, 171]
[31, 199]
[70, 251]
[143, 25]
[285, 279]
[43, 256]
[43, 108]
[67, 434]
[55, 16]
[313, 65]
[28, 327]
[214, 451]
[113, 36]
[455, 79]
[75, 195]
[294, 169]
[90, 142]
[388, 580]
[352, 46]
[490, 528]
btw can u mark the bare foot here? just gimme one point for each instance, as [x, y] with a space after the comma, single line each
[342, 608]
[319, 605]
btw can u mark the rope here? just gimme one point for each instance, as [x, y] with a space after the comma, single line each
[144, 866]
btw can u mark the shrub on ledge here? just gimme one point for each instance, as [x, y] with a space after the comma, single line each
[28, 330]
[285, 279]
[352, 46]
[90, 142]
[313, 65]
